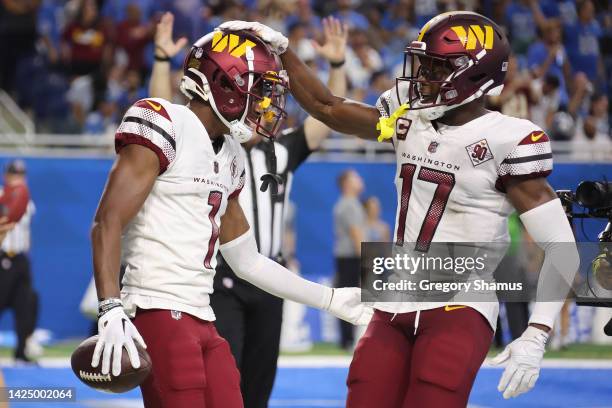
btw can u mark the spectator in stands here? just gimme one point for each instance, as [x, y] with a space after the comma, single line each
[362, 61]
[562, 10]
[596, 124]
[134, 90]
[548, 57]
[117, 10]
[349, 225]
[103, 120]
[17, 37]
[591, 129]
[582, 43]
[380, 81]
[546, 101]
[306, 16]
[376, 230]
[275, 12]
[516, 95]
[132, 35]
[86, 53]
[348, 15]
[424, 10]
[85, 43]
[51, 17]
[521, 23]
[16, 290]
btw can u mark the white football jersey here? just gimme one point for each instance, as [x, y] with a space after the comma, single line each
[169, 248]
[450, 182]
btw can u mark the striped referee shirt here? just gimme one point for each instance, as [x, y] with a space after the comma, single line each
[265, 212]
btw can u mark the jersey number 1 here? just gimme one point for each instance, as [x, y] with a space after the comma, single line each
[214, 200]
[445, 182]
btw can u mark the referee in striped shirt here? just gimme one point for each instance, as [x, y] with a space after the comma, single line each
[247, 317]
[16, 289]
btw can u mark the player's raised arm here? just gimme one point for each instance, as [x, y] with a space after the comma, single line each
[165, 49]
[239, 250]
[334, 51]
[341, 114]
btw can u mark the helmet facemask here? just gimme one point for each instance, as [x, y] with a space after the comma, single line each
[267, 102]
[423, 71]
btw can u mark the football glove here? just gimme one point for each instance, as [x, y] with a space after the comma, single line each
[116, 331]
[277, 42]
[346, 304]
[524, 356]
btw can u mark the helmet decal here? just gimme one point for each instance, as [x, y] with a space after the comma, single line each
[231, 43]
[240, 78]
[475, 34]
[458, 57]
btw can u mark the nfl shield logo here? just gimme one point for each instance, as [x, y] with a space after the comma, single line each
[216, 167]
[433, 146]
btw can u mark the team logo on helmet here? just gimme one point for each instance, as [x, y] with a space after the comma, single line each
[232, 43]
[475, 34]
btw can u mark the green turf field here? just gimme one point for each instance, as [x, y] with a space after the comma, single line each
[328, 349]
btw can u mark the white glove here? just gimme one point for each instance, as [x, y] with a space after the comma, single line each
[277, 42]
[523, 369]
[116, 331]
[346, 304]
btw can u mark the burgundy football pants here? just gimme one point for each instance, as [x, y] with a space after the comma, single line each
[394, 368]
[192, 365]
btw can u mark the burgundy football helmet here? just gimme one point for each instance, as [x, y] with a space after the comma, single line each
[241, 79]
[469, 46]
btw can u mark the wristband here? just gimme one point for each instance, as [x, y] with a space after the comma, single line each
[107, 304]
[337, 64]
[164, 57]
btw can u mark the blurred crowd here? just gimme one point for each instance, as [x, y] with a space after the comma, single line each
[76, 65]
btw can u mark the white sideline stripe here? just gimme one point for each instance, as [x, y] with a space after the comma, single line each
[344, 361]
[314, 361]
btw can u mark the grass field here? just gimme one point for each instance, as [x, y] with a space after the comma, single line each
[581, 351]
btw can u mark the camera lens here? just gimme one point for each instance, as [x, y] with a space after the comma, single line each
[594, 194]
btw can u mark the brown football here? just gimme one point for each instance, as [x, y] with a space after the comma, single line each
[128, 379]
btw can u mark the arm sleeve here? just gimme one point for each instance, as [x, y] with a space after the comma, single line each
[247, 263]
[531, 158]
[148, 123]
[294, 139]
[551, 231]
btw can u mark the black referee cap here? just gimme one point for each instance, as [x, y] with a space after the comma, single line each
[16, 166]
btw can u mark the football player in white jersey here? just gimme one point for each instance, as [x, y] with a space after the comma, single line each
[461, 170]
[170, 203]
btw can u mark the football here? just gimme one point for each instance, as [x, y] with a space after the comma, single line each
[14, 202]
[128, 379]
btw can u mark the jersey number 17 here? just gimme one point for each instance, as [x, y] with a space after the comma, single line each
[445, 182]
